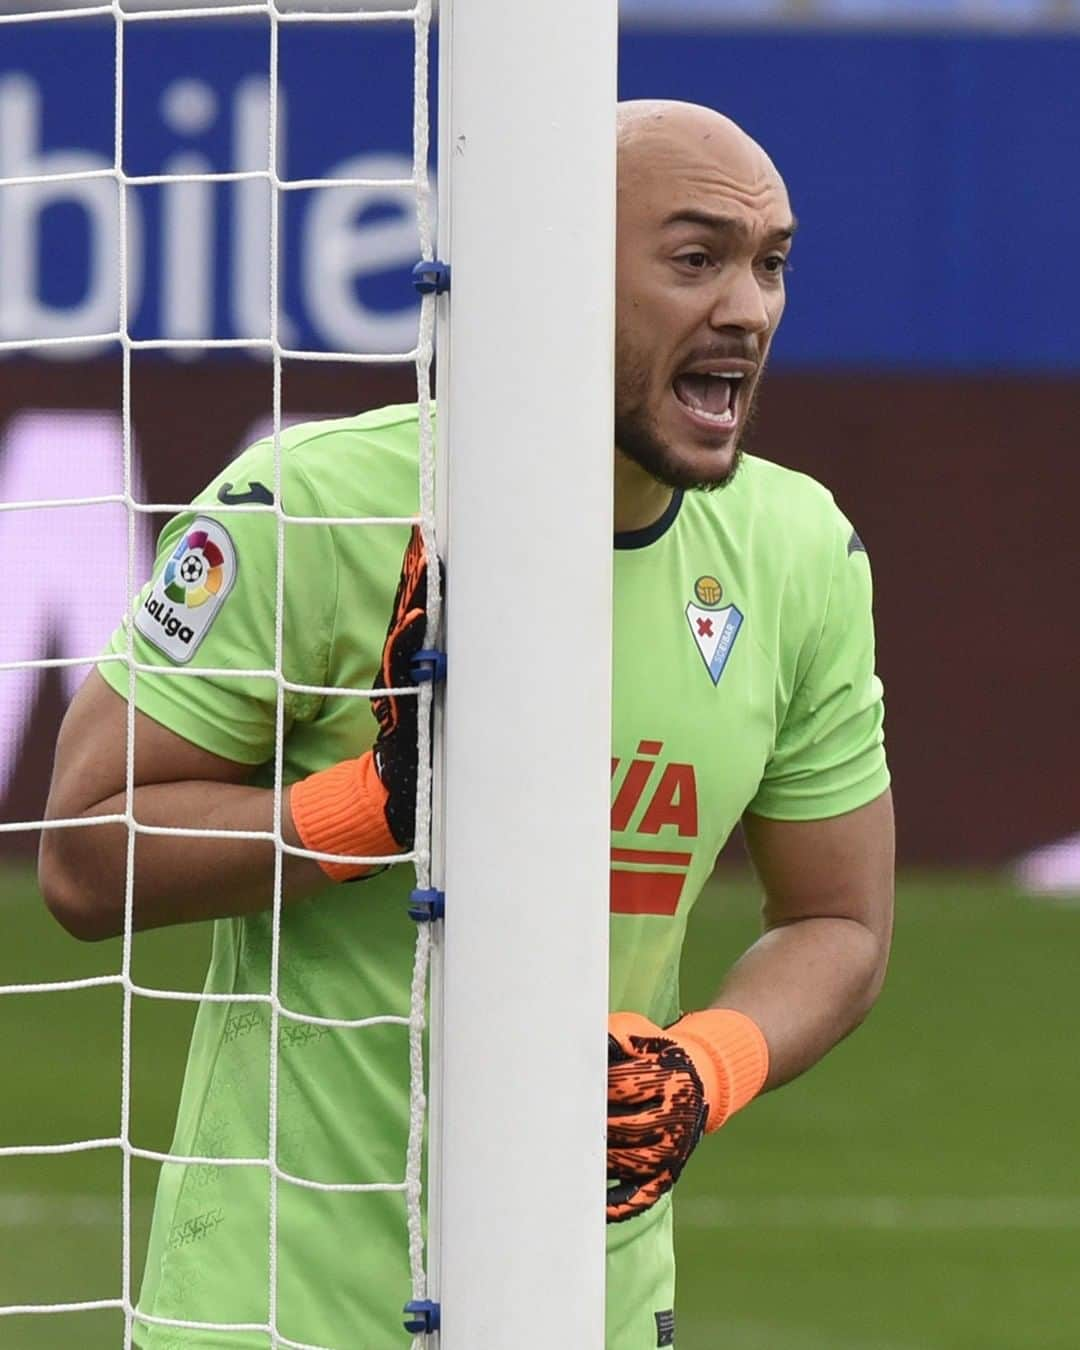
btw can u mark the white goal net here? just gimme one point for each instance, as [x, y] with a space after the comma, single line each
[513, 189]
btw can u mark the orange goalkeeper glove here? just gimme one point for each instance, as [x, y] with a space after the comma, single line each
[368, 805]
[666, 1088]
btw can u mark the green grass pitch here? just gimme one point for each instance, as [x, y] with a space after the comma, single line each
[918, 1191]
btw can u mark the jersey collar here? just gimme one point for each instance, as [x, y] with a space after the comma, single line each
[651, 533]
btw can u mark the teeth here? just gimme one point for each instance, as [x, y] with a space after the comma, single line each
[724, 419]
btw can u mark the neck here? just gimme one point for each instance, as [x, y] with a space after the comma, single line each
[639, 499]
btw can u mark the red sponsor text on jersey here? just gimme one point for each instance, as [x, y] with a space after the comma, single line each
[659, 794]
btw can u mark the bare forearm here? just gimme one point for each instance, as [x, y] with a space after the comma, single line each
[177, 878]
[807, 984]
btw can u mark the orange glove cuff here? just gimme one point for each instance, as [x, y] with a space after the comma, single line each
[623, 1025]
[729, 1052]
[343, 810]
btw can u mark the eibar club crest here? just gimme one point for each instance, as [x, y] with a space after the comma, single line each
[714, 630]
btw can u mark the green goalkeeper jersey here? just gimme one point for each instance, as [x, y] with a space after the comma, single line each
[744, 680]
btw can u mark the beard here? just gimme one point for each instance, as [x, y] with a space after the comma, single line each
[639, 437]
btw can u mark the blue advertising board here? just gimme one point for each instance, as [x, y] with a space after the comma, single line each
[933, 176]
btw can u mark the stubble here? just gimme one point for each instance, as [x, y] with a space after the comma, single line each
[639, 437]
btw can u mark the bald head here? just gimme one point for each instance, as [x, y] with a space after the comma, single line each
[663, 136]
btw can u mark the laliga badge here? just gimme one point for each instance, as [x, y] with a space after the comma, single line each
[714, 630]
[189, 590]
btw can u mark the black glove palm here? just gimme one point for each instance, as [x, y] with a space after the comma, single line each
[395, 746]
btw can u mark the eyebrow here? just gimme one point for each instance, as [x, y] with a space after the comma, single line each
[722, 224]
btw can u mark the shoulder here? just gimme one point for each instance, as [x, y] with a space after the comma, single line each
[788, 502]
[361, 465]
[783, 520]
[394, 429]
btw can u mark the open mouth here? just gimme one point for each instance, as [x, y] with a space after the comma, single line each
[711, 397]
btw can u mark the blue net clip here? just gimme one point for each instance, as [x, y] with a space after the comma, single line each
[427, 906]
[431, 278]
[423, 1316]
[429, 666]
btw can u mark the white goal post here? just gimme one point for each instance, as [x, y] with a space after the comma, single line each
[519, 999]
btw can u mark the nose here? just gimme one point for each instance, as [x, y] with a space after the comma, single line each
[740, 303]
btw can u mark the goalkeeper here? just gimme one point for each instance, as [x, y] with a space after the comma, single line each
[744, 690]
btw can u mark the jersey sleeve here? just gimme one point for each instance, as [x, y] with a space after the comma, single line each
[207, 618]
[829, 755]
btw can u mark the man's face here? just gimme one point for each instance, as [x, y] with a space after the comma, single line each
[704, 230]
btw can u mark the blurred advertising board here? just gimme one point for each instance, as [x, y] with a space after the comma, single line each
[930, 206]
